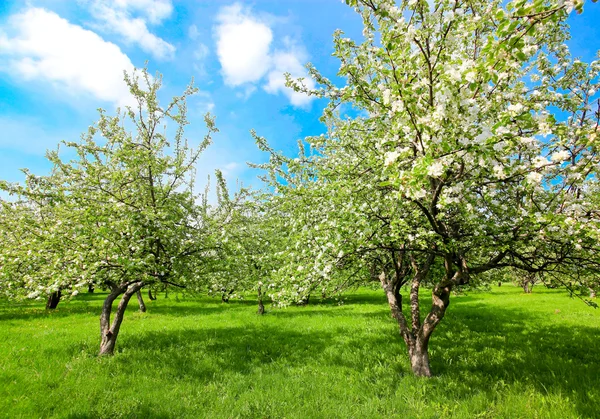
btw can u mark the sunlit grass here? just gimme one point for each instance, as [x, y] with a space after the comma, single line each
[496, 354]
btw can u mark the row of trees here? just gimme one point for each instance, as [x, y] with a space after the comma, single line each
[464, 142]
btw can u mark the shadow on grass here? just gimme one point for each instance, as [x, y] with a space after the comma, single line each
[483, 347]
[32, 312]
[480, 349]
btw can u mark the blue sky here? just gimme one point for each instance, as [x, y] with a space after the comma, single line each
[60, 60]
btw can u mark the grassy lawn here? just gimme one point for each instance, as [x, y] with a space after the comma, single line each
[499, 354]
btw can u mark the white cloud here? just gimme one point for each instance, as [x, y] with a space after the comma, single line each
[289, 61]
[243, 43]
[229, 168]
[116, 16]
[244, 51]
[155, 10]
[42, 46]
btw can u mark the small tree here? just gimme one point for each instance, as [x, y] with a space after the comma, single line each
[125, 211]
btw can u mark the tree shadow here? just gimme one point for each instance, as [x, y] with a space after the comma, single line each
[180, 310]
[37, 310]
[478, 348]
[319, 310]
[205, 354]
[478, 345]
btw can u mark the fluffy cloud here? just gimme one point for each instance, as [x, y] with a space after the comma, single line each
[289, 61]
[243, 44]
[244, 51]
[40, 45]
[117, 16]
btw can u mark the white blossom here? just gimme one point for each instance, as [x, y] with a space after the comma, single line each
[436, 169]
[560, 156]
[391, 157]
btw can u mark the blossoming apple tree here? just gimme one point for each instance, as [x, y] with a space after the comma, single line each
[122, 214]
[464, 140]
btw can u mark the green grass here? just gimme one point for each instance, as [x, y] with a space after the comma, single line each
[499, 354]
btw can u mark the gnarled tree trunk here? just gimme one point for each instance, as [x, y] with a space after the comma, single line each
[141, 301]
[109, 332]
[417, 334]
[53, 300]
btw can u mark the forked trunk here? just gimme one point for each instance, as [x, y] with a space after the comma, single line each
[416, 336]
[141, 301]
[109, 332]
[53, 300]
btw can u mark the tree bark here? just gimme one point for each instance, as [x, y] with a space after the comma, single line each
[150, 296]
[526, 286]
[109, 332]
[419, 358]
[592, 293]
[225, 294]
[141, 301]
[53, 300]
[417, 334]
[261, 307]
[90, 288]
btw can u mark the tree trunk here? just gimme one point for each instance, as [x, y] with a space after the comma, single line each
[592, 293]
[261, 307]
[225, 295]
[109, 332]
[526, 286]
[417, 334]
[90, 288]
[150, 296]
[53, 300]
[304, 302]
[419, 358]
[141, 301]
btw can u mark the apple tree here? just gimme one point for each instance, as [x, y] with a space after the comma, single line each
[464, 140]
